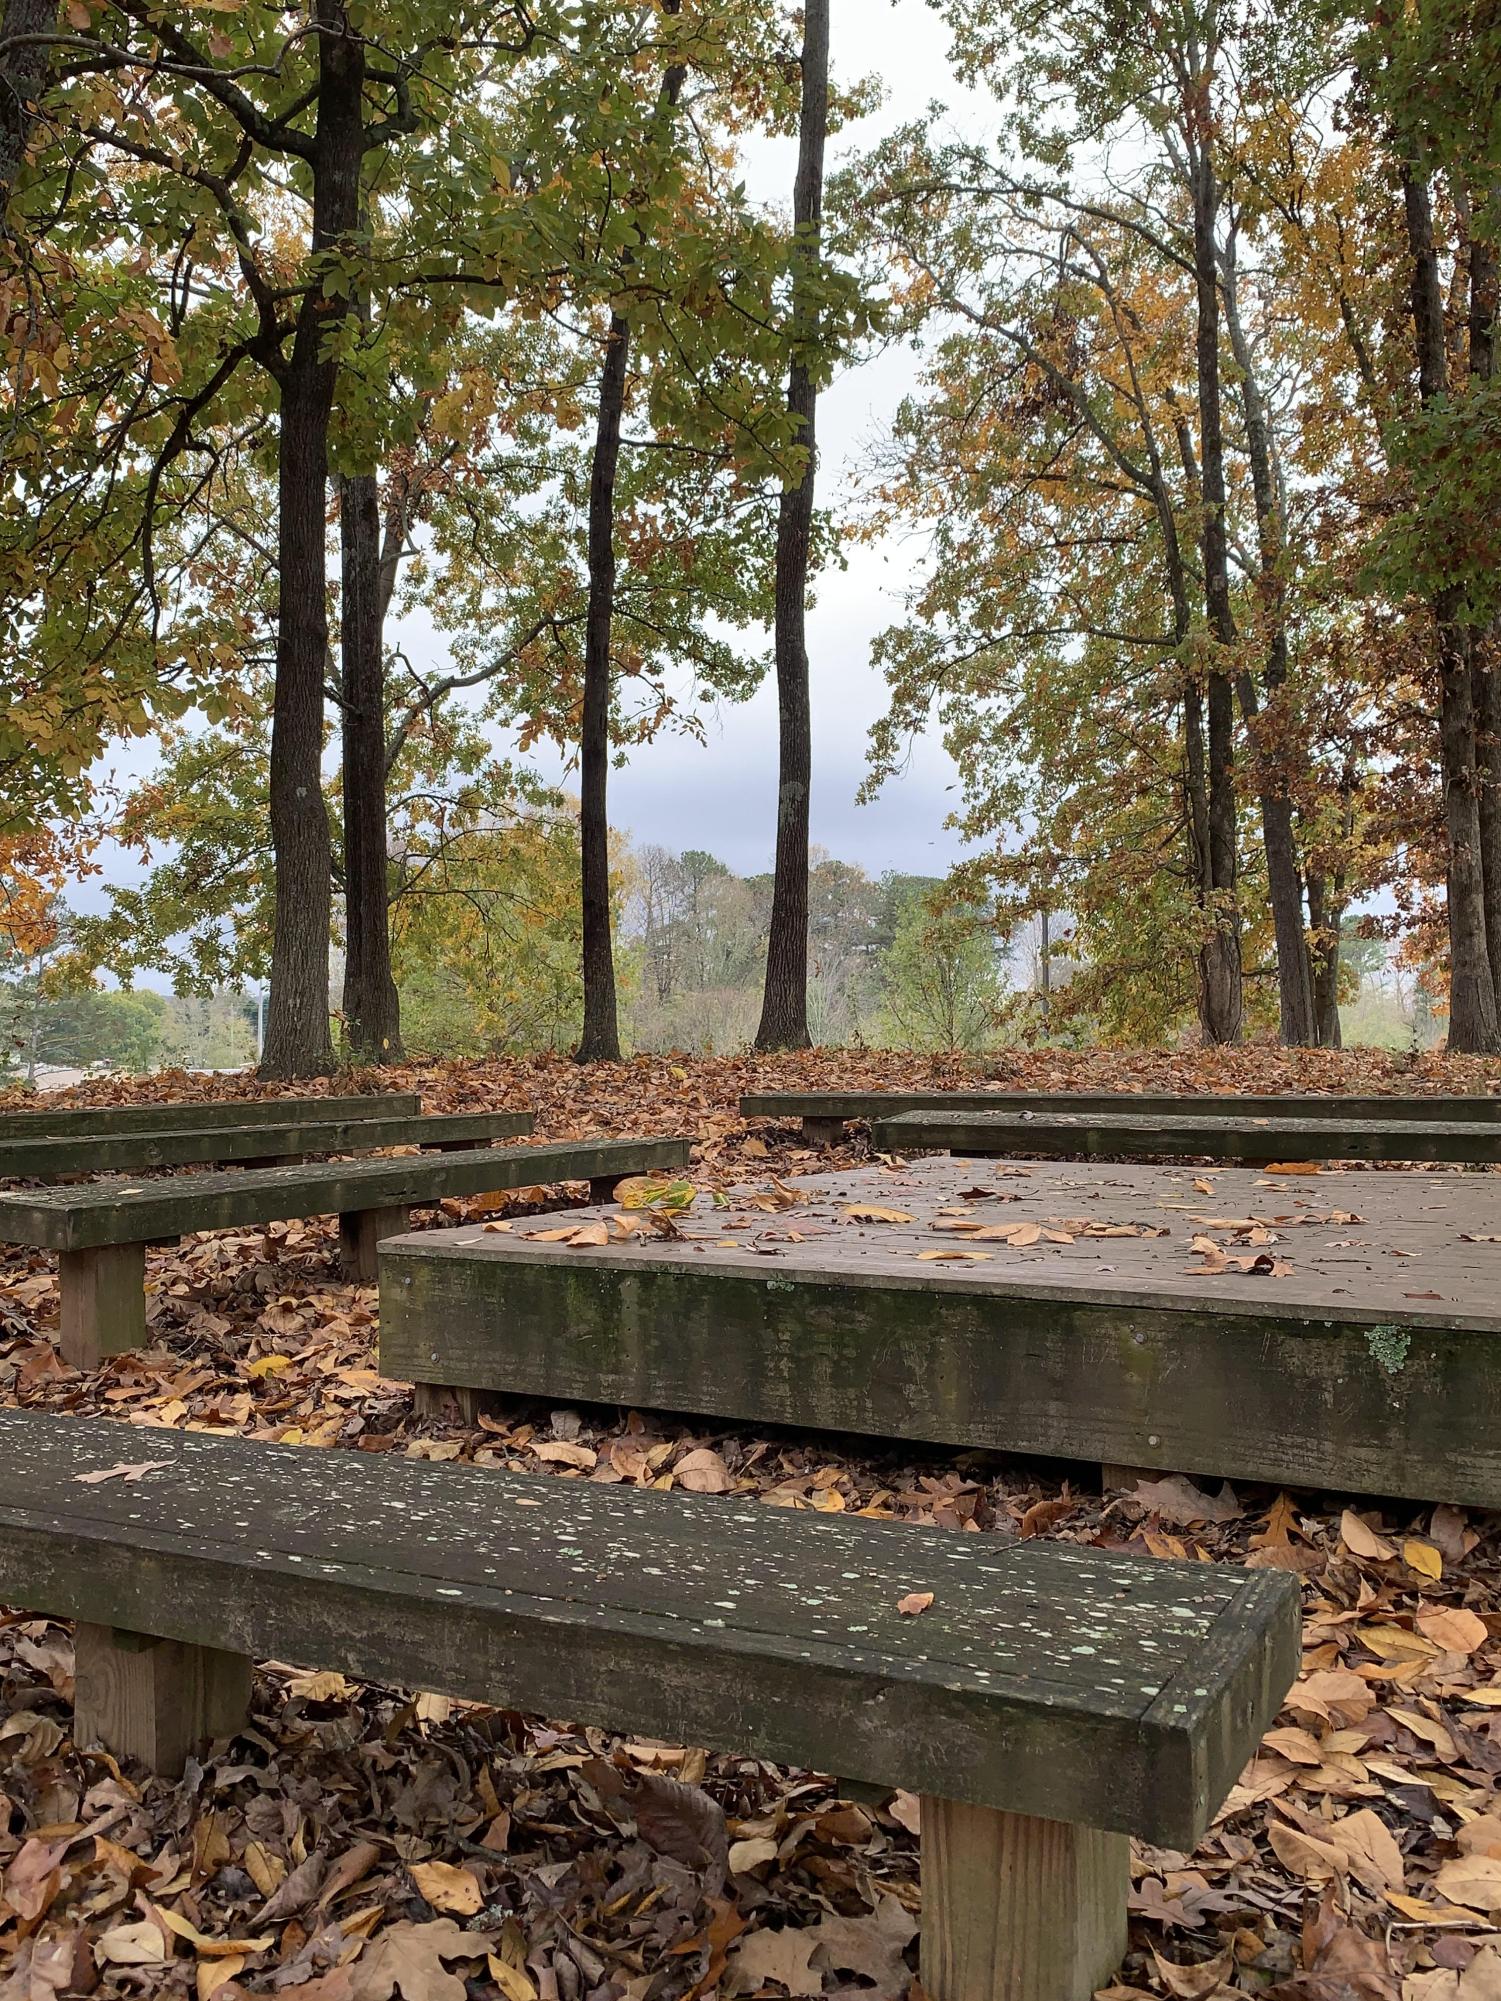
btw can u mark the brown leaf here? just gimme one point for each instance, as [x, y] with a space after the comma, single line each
[914, 1602]
[410, 1959]
[703, 1472]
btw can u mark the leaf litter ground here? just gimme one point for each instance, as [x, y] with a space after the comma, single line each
[358, 1843]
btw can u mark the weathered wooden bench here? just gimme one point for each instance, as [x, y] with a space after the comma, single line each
[1474, 1141]
[1354, 1353]
[826, 1113]
[189, 1115]
[101, 1231]
[1051, 1701]
[261, 1144]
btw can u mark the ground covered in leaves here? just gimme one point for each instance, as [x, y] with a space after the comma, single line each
[357, 1843]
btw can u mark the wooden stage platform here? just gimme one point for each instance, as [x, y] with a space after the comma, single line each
[1336, 1329]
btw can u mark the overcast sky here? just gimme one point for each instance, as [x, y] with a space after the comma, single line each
[721, 794]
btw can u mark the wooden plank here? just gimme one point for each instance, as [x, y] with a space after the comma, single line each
[101, 1303]
[1015, 1908]
[845, 1105]
[360, 1234]
[126, 1212]
[1045, 1678]
[190, 1115]
[161, 1701]
[1370, 1365]
[254, 1145]
[1054, 1134]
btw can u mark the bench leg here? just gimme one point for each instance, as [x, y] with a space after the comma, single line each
[103, 1303]
[156, 1700]
[1123, 1479]
[602, 1188]
[453, 1405]
[1019, 1909]
[823, 1132]
[360, 1230]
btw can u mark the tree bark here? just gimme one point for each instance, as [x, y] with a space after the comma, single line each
[298, 1042]
[23, 73]
[1298, 1021]
[1223, 997]
[784, 1009]
[372, 1009]
[1472, 988]
[1485, 669]
[600, 1041]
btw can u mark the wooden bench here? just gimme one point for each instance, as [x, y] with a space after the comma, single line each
[1367, 1362]
[100, 1232]
[1474, 1141]
[826, 1113]
[261, 1144]
[1051, 1701]
[192, 1114]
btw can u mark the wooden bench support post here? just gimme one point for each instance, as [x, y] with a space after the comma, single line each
[453, 1406]
[1116, 1479]
[360, 1230]
[823, 1132]
[602, 1188]
[103, 1302]
[1019, 1909]
[156, 1700]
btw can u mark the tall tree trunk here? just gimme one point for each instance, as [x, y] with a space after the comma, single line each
[1485, 668]
[1298, 1021]
[784, 1008]
[298, 1043]
[23, 72]
[372, 1010]
[600, 1039]
[1223, 994]
[1472, 989]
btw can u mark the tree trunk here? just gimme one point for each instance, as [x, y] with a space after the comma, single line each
[784, 1008]
[1223, 997]
[1485, 670]
[1472, 989]
[372, 1010]
[23, 72]
[298, 1043]
[1298, 1023]
[600, 1042]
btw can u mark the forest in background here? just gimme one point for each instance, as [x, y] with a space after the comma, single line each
[314, 320]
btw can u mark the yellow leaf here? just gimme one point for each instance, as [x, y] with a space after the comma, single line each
[268, 1365]
[513, 1981]
[867, 1212]
[447, 1887]
[1423, 1558]
[212, 1948]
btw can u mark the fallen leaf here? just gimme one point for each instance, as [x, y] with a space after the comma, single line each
[914, 1602]
[128, 1471]
[409, 1959]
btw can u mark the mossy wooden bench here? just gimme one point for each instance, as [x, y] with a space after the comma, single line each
[262, 1144]
[1051, 1701]
[100, 1232]
[193, 1114]
[1051, 1309]
[1472, 1141]
[825, 1114]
